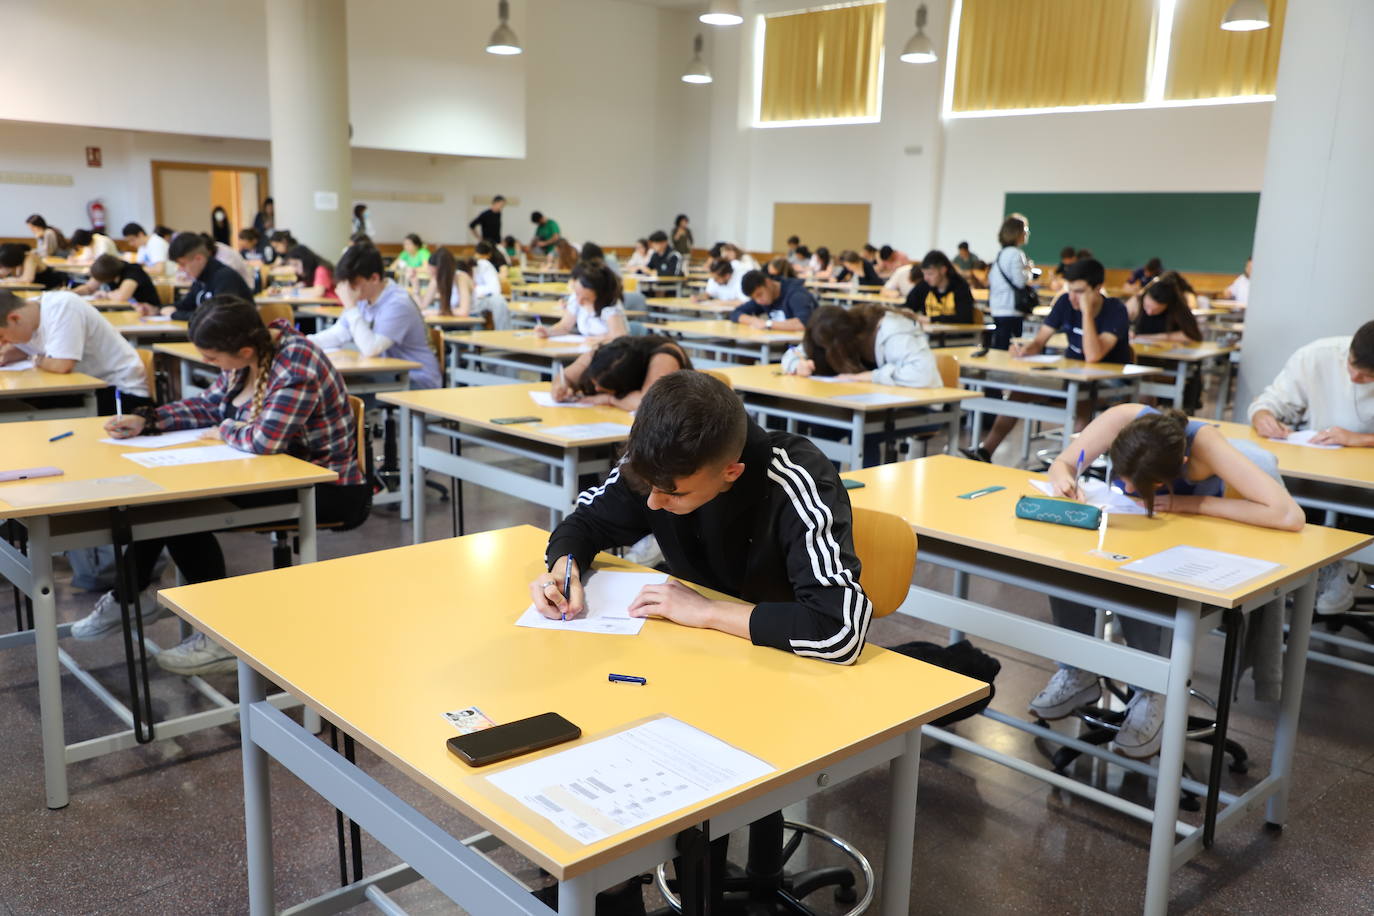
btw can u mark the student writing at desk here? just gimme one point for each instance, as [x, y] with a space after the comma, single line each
[1326, 386]
[546, 234]
[276, 392]
[755, 514]
[856, 271]
[209, 278]
[122, 281]
[1163, 311]
[943, 296]
[619, 372]
[723, 284]
[49, 240]
[1170, 464]
[638, 262]
[150, 250]
[663, 261]
[593, 307]
[1098, 329]
[21, 264]
[1239, 290]
[88, 245]
[63, 333]
[774, 304]
[379, 317]
[314, 275]
[414, 255]
[457, 291]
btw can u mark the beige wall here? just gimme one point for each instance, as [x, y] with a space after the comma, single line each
[185, 199]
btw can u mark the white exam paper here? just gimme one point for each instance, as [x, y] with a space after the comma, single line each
[566, 338]
[1200, 566]
[587, 430]
[872, 397]
[618, 782]
[546, 399]
[18, 367]
[157, 318]
[1097, 493]
[608, 593]
[166, 458]
[1304, 438]
[164, 440]
[1038, 358]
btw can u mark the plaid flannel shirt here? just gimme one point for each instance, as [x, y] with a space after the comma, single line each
[305, 412]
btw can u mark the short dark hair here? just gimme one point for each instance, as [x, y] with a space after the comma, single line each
[132, 229]
[106, 267]
[658, 236]
[793, 240]
[1362, 347]
[414, 237]
[9, 302]
[186, 244]
[687, 421]
[250, 235]
[1066, 253]
[1154, 265]
[1013, 227]
[12, 254]
[937, 258]
[963, 246]
[885, 252]
[721, 267]
[591, 251]
[868, 247]
[283, 236]
[359, 262]
[1083, 254]
[536, 216]
[715, 250]
[1090, 271]
[498, 198]
[752, 281]
[82, 237]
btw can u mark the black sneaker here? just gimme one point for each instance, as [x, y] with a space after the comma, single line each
[977, 453]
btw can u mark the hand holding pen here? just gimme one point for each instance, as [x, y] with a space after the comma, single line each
[558, 594]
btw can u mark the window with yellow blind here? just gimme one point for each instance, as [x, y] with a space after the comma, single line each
[822, 65]
[1016, 54]
[1206, 62]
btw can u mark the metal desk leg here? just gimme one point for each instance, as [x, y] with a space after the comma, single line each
[572, 460]
[577, 897]
[955, 422]
[414, 421]
[257, 798]
[1294, 670]
[857, 420]
[902, 774]
[305, 525]
[49, 670]
[1224, 389]
[1070, 413]
[88, 401]
[1170, 781]
[407, 456]
[186, 378]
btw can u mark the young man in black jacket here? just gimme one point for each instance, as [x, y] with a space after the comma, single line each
[664, 261]
[757, 514]
[943, 295]
[209, 278]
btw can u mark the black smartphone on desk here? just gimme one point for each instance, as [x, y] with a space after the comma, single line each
[502, 742]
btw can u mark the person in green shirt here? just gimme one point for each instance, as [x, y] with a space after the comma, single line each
[414, 255]
[546, 233]
[964, 260]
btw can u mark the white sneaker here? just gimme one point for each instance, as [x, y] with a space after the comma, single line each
[1069, 689]
[644, 551]
[1142, 731]
[1336, 587]
[106, 617]
[197, 655]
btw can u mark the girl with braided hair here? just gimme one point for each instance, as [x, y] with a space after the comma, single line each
[276, 393]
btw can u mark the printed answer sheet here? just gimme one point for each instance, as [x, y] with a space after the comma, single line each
[1096, 493]
[162, 440]
[1304, 438]
[169, 458]
[20, 366]
[607, 786]
[1202, 567]
[586, 430]
[609, 593]
[546, 399]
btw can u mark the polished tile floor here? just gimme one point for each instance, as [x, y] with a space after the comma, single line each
[159, 829]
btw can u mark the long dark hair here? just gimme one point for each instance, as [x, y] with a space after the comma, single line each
[38, 222]
[841, 340]
[1168, 290]
[619, 366]
[601, 280]
[1150, 450]
[823, 255]
[227, 324]
[441, 259]
[310, 262]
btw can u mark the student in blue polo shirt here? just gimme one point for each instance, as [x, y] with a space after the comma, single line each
[774, 303]
[1097, 326]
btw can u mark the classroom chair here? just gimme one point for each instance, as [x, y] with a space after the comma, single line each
[948, 367]
[886, 547]
[148, 357]
[271, 311]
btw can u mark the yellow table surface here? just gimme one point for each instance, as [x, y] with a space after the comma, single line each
[545, 288]
[926, 491]
[348, 362]
[333, 312]
[950, 327]
[843, 285]
[1066, 369]
[84, 457]
[15, 285]
[547, 308]
[478, 405]
[1346, 466]
[457, 645]
[131, 324]
[264, 299]
[768, 379]
[1174, 352]
[730, 330]
[34, 382]
[519, 342]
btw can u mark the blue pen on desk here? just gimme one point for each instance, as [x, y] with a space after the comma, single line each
[567, 582]
[626, 679]
[61, 436]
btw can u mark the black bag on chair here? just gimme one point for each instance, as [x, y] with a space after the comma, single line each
[961, 658]
[1024, 298]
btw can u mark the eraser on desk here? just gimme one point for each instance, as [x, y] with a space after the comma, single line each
[1058, 512]
[852, 484]
[29, 473]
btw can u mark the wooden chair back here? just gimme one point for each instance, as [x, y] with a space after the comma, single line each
[886, 547]
[271, 311]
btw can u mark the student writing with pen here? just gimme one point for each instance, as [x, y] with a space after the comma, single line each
[1173, 465]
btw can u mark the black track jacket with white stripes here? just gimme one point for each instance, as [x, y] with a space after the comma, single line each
[780, 537]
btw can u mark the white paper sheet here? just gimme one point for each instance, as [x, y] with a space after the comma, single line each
[587, 430]
[1304, 438]
[1175, 353]
[167, 458]
[18, 367]
[566, 338]
[165, 440]
[872, 397]
[1091, 373]
[616, 783]
[1038, 358]
[608, 593]
[546, 399]
[157, 318]
[1202, 567]
[1097, 493]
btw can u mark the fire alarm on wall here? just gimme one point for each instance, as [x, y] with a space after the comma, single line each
[93, 157]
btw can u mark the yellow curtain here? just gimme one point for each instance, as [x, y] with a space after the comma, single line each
[822, 64]
[1051, 53]
[1208, 63]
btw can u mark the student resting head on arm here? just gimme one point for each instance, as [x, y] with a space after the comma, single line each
[1163, 310]
[865, 343]
[774, 303]
[593, 307]
[698, 471]
[856, 270]
[125, 282]
[723, 284]
[276, 392]
[88, 245]
[779, 267]
[21, 264]
[618, 373]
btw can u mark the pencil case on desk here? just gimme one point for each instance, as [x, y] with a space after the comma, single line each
[1058, 512]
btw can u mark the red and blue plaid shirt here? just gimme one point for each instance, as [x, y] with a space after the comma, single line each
[305, 410]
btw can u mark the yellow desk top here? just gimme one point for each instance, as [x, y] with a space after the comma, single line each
[456, 648]
[519, 342]
[843, 286]
[690, 306]
[333, 312]
[264, 299]
[950, 327]
[1182, 352]
[1063, 369]
[730, 330]
[926, 491]
[131, 324]
[111, 305]
[348, 362]
[478, 405]
[546, 288]
[15, 285]
[768, 379]
[548, 308]
[1352, 467]
[33, 382]
[84, 457]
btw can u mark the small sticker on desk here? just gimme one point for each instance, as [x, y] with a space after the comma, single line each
[1108, 555]
[468, 720]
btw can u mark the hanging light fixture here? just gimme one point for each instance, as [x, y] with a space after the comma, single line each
[696, 71]
[1246, 16]
[919, 49]
[722, 12]
[503, 40]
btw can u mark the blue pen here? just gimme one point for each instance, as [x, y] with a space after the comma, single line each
[119, 404]
[626, 679]
[1078, 472]
[567, 582]
[61, 436]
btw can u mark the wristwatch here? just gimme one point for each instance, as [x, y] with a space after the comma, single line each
[768, 325]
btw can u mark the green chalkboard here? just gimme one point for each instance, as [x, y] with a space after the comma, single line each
[1205, 232]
